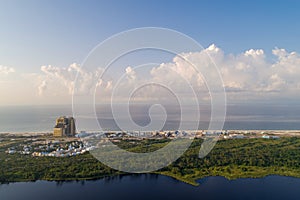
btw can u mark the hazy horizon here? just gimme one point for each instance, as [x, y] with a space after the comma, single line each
[240, 117]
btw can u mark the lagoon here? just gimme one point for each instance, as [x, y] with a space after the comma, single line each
[150, 186]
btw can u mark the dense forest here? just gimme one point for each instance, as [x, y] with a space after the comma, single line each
[232, 158]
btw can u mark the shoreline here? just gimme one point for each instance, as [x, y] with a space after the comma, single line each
[183, 180]
[275, 131]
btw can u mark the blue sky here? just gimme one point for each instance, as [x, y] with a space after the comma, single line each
[62, 32]
[35, 33]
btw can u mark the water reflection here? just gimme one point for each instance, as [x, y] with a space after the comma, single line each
[153, 186]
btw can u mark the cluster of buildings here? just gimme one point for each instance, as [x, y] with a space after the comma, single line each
[223, 134]
[72, 149]
[136, 135]
[51, 149]
[247, 134]
[25, 150]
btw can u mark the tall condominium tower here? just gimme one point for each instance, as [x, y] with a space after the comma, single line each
[64, 126]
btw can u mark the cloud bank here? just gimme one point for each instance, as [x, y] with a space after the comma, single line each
[250, 74]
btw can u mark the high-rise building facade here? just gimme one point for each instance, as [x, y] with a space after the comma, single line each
[64, 126]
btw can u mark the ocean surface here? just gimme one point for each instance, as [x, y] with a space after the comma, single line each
[149, 187]
[251, 117]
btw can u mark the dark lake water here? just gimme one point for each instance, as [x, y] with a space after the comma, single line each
[156, 187]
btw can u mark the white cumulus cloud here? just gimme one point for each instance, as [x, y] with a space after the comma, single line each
[42, 87]
[63, 79]
[6, 70]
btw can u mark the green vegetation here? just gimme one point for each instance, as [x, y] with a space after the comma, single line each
[239, 158]
[232, 159]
